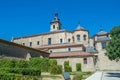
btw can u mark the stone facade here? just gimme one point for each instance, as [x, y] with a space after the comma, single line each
[60, 42]
[13, 50]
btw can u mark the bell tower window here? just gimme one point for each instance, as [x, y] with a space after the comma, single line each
[49, 41]
[78, 37]
[53, 26]
[84, 37]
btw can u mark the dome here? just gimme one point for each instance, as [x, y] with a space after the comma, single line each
[101, 32]
[79, 27]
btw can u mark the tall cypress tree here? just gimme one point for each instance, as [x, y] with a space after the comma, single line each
[113, 47]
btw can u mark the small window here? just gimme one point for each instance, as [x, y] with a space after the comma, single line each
[23, 44]
[85, 60]
[30, 44]
[49, 41]
[69, 49]
[69, 40]
[38, 42]
[103, 45]
[84, 37]
[61, 40]
[50, 51]
[78, 37]
[53, 26]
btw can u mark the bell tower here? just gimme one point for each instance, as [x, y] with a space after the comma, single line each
[55, 24]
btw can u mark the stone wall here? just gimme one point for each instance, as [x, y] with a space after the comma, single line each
[105, 64]
[9, 49]
[55, 38]
[73, 60]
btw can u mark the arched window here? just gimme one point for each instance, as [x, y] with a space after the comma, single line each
[78, 37]
[69, 49]
[85, 60]
[53, 26]
[61, 40]
[103, 45]
[50, 51]
[69, 40]
[84, 37]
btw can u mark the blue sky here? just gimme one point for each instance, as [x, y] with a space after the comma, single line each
[27, 17]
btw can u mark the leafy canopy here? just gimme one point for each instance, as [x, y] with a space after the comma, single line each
[113, 47]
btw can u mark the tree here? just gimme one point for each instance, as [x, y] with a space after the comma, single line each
[113, 47]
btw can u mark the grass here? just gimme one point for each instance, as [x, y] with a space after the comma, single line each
[55, 77]
[85, 74]
[50, 76]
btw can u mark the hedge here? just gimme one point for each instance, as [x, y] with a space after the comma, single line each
[78, 67]
[54, 68]
[39, 63]
[67, 68]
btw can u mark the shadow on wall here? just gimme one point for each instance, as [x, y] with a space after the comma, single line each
[113, 75]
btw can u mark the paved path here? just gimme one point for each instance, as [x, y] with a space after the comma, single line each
[105, 75]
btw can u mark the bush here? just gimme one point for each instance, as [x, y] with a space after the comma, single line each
[39, 63]
[59, 69]
[23, 71]
[77, 77]
[8, 63]
[52, 63]
[56, 69]
[78, 67]
[67, 68]
[21, 64]
[66, 63]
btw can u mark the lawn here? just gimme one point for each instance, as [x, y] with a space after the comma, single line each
[47, 76]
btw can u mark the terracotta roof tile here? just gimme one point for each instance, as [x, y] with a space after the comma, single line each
[70, 54]
[59, 46]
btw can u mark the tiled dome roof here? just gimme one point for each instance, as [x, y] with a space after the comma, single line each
[79, 27]
[101, 32]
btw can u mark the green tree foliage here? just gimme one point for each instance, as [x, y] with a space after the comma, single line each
[78, 67]
[78, 77]
[113, 47]
[21, 64]
[54, 68]
[67, 68]
[7, 63]
[40, 63]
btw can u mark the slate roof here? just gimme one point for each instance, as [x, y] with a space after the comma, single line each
[101, 33]
[103, 38]
[79, 27]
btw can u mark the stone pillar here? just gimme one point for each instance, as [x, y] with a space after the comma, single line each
[28, 56]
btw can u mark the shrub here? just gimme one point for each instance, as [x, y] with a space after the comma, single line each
[78, 67]
[21, 64]
[39, 63]
[8, 63]
[56, 69]
[59, 69]
[77, 77]
[52, 63]
[66, 63]
[67, 68]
